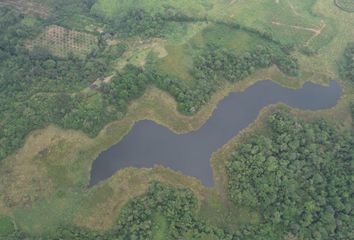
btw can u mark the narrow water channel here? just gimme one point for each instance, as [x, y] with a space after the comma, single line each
[149, 144]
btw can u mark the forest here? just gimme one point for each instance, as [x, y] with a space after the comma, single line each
[300, 177]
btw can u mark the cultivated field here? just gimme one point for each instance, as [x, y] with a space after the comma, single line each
[61, 41]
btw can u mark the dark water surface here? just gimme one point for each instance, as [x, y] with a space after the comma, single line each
[149, 144]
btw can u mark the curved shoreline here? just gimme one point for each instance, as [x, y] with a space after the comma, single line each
[154, 105]
[148, 144]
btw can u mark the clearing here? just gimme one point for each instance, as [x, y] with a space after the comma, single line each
[316, 31]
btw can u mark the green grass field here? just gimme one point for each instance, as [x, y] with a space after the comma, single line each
[160, 229]
[6, 225]
[289, 22]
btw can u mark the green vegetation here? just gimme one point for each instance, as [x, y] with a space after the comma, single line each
[159, 229]
[287, 22]
[346, 5]
[6, 226]
[231, 38]
[52, 91]
[347, 66]
[224, 214]
[163, 212]
[139, 23]
[300, 176]
[137, 218]
[215, 64]
[90, 76]
[111, 8]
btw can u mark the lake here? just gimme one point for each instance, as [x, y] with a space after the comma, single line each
[149, 144]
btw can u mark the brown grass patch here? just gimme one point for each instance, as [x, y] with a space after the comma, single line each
[23, 176]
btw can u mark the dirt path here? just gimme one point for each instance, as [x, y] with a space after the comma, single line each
[293, 9]
[316, 31]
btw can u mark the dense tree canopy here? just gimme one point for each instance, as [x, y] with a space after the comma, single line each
[300, 176]
[137, 22]
[347, 67]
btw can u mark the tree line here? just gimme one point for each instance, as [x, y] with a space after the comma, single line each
[347, 66]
